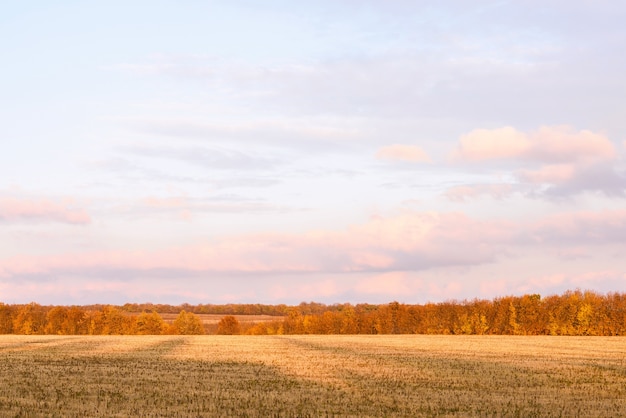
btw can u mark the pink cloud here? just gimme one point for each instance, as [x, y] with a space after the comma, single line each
[491, 144]
[549, 144]
[398, 152]
[552, 161]
[554, 173]
[562, 144]
[372, 259]
[409, 240]
[42, 210]
[386, 246]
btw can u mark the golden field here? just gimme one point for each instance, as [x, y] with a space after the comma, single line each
[300, 376]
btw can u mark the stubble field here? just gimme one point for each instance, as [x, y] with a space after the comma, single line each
[149, 376]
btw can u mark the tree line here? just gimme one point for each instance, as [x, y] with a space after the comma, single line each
[572, 313]
[34, 319]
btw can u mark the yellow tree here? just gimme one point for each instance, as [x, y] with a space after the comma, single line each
[55, 318]
[258, 329]
[30, 319]
[531, 319]
[615, 307]
[111, 321]
[349, 321]
[75, 322]
[514, 327]
[149, 324]
[186, 323]
[294, 322]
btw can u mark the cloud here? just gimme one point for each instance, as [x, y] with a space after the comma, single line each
[492, 144]
[133, 171]
[496, 191]
[408, 241]
[42, 210]
[314, 134]
[567, 180]
[559, 144]
[604, 280]
[185, 208]
[380, 256]
[398, 152]
[212, 158]
[431, 72]
[563, 144]
[539, 68]
[582, 228]
[553, 161]
[395, 283]
[555, 173]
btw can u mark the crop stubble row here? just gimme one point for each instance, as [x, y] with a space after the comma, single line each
[312, 376]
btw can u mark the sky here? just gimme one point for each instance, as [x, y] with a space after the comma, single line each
[330, 151]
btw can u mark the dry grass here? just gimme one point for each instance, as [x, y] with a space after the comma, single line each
[312, 376]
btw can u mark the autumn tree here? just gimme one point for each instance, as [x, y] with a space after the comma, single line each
[294, 322]
[502, 319]
[531, 315]
[349, 321]
[75, 322]
[228, 325]
[149, 324]
[6, 319]
[266, 328]
[29, 319]
[572, 313]
[111, 321]
[55, 318]
[615, 313]
[186, 323]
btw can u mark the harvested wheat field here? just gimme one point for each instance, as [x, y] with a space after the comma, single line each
[147, 376]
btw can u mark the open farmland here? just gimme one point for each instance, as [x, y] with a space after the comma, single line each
[312, 376]
[213, 319]
[210, 321]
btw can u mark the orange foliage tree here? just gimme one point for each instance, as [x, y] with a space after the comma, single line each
[228, 325]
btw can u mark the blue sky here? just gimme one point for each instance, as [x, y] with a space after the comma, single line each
[337, 151]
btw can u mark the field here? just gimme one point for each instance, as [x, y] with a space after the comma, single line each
[147, 376]
[210, 321]
[213, 319]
